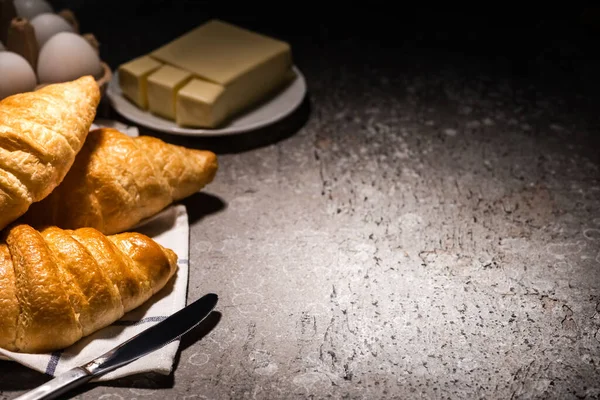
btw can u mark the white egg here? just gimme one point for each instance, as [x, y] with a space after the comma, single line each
[31, 8]
[16, 75]
[67, 56]
[47, 25]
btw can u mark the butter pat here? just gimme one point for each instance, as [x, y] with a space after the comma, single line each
[247, 65]
[163, 86]
[201, 103]
[133, 77]
[207, 104]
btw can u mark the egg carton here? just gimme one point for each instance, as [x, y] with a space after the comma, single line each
[18, 34]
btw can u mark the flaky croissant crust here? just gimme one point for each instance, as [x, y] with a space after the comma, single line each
[116, 181]
[41, 132]
[57, 286]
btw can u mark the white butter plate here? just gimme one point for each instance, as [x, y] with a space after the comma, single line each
[270, 111]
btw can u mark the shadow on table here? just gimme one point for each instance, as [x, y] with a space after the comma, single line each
[16, 377]
[237, 143]
[201, 204]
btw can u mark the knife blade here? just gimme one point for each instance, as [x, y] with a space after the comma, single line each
[151, 339]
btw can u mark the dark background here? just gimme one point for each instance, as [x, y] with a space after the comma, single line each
[557, 45]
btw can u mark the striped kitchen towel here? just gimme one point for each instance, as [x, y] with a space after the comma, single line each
[169, 228]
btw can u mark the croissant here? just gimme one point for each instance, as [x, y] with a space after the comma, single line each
[40, 134]
[57, 286]
[117, 181]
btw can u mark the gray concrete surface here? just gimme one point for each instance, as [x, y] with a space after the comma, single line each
[430, 233]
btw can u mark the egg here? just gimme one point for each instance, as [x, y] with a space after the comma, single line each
[67, 56]
[47, 25]
[17, 75]
[30, 8]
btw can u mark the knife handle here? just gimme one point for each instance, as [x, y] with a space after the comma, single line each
[59, 385]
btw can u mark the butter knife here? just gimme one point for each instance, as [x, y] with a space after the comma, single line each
[138, 346]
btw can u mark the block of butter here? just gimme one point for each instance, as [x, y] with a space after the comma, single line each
[201, 103]
[163, 86]
[231, 69]
[133, 77]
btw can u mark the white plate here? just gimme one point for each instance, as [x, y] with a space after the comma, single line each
[268, 112]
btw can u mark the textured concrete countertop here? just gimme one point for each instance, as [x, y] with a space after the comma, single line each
[420, 228]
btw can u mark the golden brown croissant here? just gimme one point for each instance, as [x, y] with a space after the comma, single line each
[117, 181]
[57, 286]
[40, 134]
